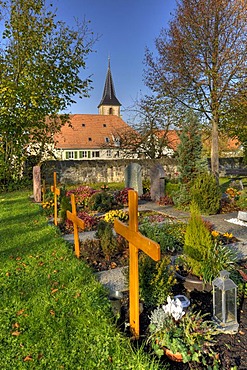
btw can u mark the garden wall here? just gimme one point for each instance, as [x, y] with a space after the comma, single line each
[77, 172]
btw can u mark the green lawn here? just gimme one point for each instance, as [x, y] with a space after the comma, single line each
[53, 313]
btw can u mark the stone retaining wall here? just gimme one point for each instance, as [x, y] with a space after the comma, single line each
[78, 172]
[84, 171]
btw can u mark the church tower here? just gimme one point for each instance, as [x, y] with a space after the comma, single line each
[109, 104]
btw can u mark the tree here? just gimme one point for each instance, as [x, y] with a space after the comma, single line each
[151, 123]
[202, 59]
[189, 150]
[40, 64]
[236, 123]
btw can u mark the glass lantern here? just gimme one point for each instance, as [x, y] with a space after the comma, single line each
[225, 303]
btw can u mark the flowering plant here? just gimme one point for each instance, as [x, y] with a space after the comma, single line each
[185, 332]
[117, 213]
[48, 207]
[233, 193]
[82, 195]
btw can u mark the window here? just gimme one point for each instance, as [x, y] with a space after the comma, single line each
[110, 111]
[95, 154]
[69, 155]
[108, 153]
[83, 124]
[107, 140]
[104, 124]
[82, 154]
[89, 139]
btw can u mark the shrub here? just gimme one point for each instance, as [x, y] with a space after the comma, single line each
[65, 206]
[90, 250]
[169, 235]
[156, 280]
[198, 242]
[108, 240]
[101, 202]
[206, 193]
[182, 197]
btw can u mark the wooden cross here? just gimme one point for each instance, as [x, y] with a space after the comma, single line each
[43, 191]
[136, 241]
[56, 192]
[77, 222]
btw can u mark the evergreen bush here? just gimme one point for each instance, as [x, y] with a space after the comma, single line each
[189, 150]
[108, 240]
[101, 202]
[206, 193]
[198, 242]
[65, 206]
[156, 280]
[182, 197]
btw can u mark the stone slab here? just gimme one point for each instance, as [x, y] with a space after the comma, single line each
[242, 216]
[114, 279]
[82, 236]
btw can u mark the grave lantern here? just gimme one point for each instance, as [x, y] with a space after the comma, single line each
[225, 303]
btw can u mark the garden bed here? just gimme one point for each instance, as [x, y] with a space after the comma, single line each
[232, 349]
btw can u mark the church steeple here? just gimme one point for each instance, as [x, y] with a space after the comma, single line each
[109, 103]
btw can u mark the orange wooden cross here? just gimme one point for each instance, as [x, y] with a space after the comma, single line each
[43, 191]
[136, 241]
[56, 192]
[77, 222]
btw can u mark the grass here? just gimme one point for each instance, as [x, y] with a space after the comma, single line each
[54, 313]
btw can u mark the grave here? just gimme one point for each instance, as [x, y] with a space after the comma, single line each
[56, 192]
[77, 222]
[37, 184]
[157, 178]
[136, 242]
[133, 177]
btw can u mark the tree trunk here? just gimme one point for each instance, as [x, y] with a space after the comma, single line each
[215, 149]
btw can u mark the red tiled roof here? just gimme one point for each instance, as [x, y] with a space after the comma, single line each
[89, 131]
[173, 140]
[171, 137]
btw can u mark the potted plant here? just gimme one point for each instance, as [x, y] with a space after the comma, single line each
[182, 336]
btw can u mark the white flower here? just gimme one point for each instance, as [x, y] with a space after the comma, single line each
[174, 308]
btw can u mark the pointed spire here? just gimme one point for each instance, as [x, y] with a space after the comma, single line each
[109, 95]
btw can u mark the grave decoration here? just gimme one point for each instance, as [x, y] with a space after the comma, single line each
[136, 242]
[225, 303]
[43, 191]
[77, 222]
[56, 192]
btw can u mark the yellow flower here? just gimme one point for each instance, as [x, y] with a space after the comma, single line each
[215, 233]
[227, 235]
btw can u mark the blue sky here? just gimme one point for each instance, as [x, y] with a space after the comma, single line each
[125, 27]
